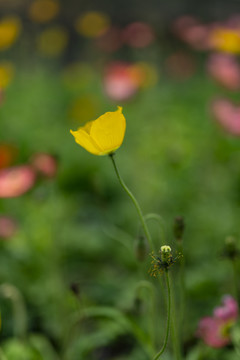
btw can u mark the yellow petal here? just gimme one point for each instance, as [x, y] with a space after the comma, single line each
[108, 131]
[82, 138]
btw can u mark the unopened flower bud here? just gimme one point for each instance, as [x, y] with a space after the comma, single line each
[178, 228]
[230, 249]
[75, 288]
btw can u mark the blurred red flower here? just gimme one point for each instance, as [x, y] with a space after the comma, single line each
[121, 81]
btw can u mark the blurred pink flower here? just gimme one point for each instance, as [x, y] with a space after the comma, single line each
[225, 69]
[120, 81]
[228, 311]
[215, 330]
[138, 34]
[8, 227]
[44, 164]
[227, 115]
[15, 181]
[233, 22]
[191, 31]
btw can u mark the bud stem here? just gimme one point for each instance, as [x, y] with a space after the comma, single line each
[135, 202]
[157, 356]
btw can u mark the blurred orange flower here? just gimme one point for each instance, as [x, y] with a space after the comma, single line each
[7, 155]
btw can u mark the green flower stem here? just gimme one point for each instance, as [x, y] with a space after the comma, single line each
[135, 202]
[157, 356]
[147, 285]
[174, 328]
[182, 290]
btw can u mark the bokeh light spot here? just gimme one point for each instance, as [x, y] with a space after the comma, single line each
[53, 41]
[6, 74]
[92, 24]
[42, 11]
[10, 28]
[225, 40]
[138, 34]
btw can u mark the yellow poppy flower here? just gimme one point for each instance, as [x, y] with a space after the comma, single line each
[104, 135]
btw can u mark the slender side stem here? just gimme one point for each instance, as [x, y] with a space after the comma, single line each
[182, 291]
[157, 356]
[135, 202]
[160, 222]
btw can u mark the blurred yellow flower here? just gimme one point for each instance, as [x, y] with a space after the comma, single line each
[104, 135]
[9, 30]
[42, 11]
[53, 41]
[84, 107]
[225, 40]
[92, 24]
[6, 74]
